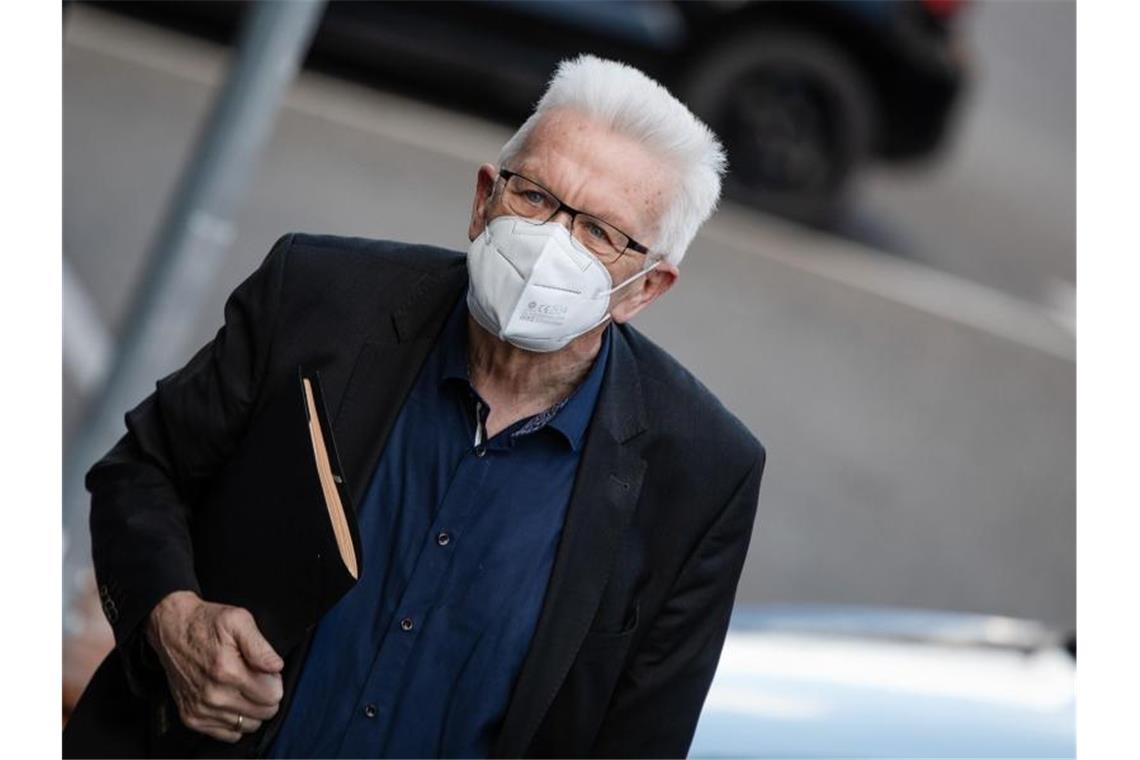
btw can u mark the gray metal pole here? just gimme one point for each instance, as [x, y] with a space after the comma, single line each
[188, 251]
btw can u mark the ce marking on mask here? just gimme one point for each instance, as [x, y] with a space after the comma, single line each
[545, 313]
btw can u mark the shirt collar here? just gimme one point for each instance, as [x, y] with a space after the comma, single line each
[570, 417]
[574, 416]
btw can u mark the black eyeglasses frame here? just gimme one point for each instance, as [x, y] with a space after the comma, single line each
[506, 174]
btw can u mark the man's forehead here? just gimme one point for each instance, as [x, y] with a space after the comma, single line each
[597, 170]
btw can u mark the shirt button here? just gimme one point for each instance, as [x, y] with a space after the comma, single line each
[480, 451]
[407, 624]
[370, 711]
[443, 539]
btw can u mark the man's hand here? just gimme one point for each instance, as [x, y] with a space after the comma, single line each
[217, 663]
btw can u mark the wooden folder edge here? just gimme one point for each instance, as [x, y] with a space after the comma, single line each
[328, 485]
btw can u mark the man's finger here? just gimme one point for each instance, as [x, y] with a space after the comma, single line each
[231, 672]
[224, 701]
[255, 650]
[227, 721]
[264, 689]
[214, 727]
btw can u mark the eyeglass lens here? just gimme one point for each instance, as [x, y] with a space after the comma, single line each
[526, 199]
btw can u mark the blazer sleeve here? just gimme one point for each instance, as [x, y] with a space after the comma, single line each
[144, 488]
[659, 696]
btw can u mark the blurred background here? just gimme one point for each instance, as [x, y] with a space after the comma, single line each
[886, 297]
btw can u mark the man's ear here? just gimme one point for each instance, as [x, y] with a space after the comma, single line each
[484, 186]
[646, 290]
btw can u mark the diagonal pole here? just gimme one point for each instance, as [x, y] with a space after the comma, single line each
[187, 252]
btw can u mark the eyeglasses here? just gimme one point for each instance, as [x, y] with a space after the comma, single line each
[530, 200]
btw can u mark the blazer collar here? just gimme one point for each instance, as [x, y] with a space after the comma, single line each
[385, 369]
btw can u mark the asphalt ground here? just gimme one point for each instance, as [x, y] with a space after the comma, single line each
[920, 425]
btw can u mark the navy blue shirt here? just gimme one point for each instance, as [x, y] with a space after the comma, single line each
[458, 540]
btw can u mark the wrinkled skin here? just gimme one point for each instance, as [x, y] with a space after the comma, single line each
[217, 663]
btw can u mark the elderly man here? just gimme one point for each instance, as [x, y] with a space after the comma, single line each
[552, 513]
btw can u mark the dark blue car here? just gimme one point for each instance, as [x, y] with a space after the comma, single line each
[802, 93]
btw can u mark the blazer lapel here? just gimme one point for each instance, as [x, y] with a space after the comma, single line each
[603, 499]
[382, 374]
[384, 371]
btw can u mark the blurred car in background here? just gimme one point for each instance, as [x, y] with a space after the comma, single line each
[798, 681]
[802, 93]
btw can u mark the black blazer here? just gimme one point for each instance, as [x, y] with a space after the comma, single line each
[655, 535]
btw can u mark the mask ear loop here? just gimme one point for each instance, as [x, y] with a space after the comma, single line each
[628, 280]
[613, 290]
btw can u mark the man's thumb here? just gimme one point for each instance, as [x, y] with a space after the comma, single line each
[255, 650]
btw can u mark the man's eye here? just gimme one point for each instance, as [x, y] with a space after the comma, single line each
[596, 231]
[534, 197]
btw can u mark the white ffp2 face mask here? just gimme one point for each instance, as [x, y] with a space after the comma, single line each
[535, 286]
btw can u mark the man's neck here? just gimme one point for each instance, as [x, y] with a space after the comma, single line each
[517, 383]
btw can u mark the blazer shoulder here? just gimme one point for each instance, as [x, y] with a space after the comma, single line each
[682, 405]
[372, 252]
[334, 282]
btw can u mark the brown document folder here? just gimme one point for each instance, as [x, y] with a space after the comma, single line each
[329, 483]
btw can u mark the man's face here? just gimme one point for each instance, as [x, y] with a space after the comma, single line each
[602, 173]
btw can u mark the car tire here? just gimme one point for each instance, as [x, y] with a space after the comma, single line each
[796, 117]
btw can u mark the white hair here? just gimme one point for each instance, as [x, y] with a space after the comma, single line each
[627, 101]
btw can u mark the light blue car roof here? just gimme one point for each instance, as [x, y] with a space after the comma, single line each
[802, 681]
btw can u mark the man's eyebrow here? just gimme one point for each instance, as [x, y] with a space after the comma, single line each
[622, 223]
[625, 225]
